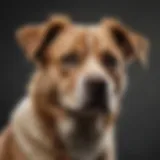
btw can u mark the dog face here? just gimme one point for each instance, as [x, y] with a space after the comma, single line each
[87, 63]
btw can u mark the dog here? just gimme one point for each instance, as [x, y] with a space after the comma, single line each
[74, 96]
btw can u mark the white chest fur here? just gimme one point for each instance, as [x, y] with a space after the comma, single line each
[85, 137]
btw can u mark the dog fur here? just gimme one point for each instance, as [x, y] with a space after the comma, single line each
[42, 127]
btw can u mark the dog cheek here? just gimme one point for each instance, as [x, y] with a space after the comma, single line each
[66, 86]
[64, 72]
[121, 83]
[113, 103]
[117, 78]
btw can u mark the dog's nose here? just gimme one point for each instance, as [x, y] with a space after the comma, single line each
[95, 87]
[96, 93]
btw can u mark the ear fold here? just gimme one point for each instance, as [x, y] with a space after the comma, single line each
[33, 39]
[133, 45]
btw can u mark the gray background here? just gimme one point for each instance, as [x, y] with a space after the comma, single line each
[139, 124]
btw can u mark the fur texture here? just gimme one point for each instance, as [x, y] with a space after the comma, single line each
[59, 119]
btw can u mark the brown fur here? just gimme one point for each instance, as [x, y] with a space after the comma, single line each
[67, 38]
[9, 150]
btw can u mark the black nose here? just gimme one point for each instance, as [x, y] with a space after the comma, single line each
[95, 87]
[96, 93]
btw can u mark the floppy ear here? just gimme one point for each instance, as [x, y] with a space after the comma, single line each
[133, 45]
[34, 38]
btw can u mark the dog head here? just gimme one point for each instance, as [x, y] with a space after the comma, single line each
[86, 63]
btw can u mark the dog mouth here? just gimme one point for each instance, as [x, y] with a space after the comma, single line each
[91, 106]
[96, 102]
[95, 99]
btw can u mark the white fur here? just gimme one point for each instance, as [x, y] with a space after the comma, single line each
[25, 122]
[65, 127]
[109, 141]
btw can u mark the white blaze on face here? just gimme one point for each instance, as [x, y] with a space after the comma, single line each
[91, 69]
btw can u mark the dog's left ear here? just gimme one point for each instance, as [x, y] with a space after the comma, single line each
[133, 45]
[34, 38]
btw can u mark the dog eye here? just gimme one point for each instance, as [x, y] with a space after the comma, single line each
[109, 61]
[71, 59]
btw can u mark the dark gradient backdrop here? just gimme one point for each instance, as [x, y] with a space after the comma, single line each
[139, 124]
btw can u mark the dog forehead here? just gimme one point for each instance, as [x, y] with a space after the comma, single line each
[84, 38]
[71, 38]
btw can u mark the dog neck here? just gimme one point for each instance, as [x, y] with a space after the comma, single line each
[38, 142]
[83, 136]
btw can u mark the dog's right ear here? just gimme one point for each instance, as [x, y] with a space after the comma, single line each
[33, 39]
